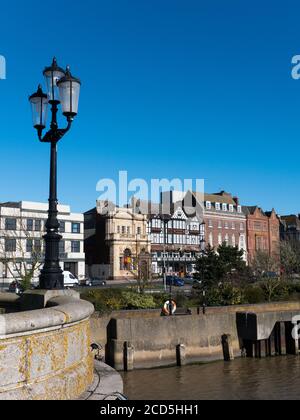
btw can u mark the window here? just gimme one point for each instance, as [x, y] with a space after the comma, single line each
[156, 223]
[239, 209]
[231, 208]
[29, 245]
[118, 229]
[257, 226]
[220, 240]
[75, 246]
[62, 226]
[210, 224]
[139, 231]
[233, 241]
[220, 225]
[10, 224]
[208, 205]
[233, 226]
[10, 245]
[128, 230]
[123, 230]
[37, 245]
[75, 227]
[62, 247]
[30, 225]
[227, 240]
[224, 207]
[38, 225]
[242, 226]
[218, 206]
[226, 225]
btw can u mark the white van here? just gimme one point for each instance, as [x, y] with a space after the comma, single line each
[70, 280]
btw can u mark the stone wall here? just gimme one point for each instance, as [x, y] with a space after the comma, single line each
[45, 354]
[154, 340]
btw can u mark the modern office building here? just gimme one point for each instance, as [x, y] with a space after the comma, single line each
[22, 226]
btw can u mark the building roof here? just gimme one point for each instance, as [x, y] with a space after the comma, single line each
[11, 204]
[222, 197]
[250, 210]
[291, 220]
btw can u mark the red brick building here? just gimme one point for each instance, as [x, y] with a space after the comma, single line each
[225, 221]
[263, 231]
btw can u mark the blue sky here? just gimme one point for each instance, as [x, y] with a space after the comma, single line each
[170, 88]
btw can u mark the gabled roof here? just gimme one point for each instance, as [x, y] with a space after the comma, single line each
[221, 197]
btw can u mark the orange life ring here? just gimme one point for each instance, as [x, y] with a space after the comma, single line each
[166, 309]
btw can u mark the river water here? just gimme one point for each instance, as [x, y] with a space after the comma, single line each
[275, 378]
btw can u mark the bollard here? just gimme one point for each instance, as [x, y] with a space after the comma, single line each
[181, 355]
[227, 348]
[282, 339]
[128, 357]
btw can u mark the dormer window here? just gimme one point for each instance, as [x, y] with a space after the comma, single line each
[231, 208]
[239, 209]
[224, 207]
[218, 206]
[208, 205]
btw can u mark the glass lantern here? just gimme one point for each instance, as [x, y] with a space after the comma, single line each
[52, 75]
[69, 91]
[39, 107]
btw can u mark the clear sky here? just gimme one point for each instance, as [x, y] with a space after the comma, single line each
[170, 88]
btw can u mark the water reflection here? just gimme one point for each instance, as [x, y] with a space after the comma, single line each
[248, 379]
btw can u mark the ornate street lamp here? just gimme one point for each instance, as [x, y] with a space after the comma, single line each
[165, 218]
[62, 89]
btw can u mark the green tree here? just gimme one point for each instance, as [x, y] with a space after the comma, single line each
[231, 262]
[208, 269]
[225, 265]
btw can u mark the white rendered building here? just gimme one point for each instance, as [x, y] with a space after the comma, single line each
[22, 226]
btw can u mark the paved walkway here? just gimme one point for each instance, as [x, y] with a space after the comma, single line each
[106, 385]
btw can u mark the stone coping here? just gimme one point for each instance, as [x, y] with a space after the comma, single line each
[64, 310]
[9, 298]
[107, 384]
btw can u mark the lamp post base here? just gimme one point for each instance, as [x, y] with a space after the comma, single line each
[40, 299]
[52, 279]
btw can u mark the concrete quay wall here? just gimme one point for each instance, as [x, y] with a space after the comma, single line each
[144, 339]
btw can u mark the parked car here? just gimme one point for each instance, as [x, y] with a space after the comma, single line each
[270, 275]
[16, 287]
[70, 280]
[175, 281]
[189, 280]
[94, 282]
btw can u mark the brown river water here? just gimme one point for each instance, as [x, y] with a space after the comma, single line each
[275, 378]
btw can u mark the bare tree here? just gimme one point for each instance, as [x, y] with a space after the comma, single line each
[264, 263]
[290, 258]
[21, 254]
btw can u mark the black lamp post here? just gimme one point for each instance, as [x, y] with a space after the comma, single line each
[62, 89]
[165, 218]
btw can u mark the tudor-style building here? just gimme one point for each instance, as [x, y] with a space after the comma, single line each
[263, 231]
[175, 244]
[117, 243]
[179, 246]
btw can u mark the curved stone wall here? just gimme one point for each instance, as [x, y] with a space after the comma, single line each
[45, 354]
